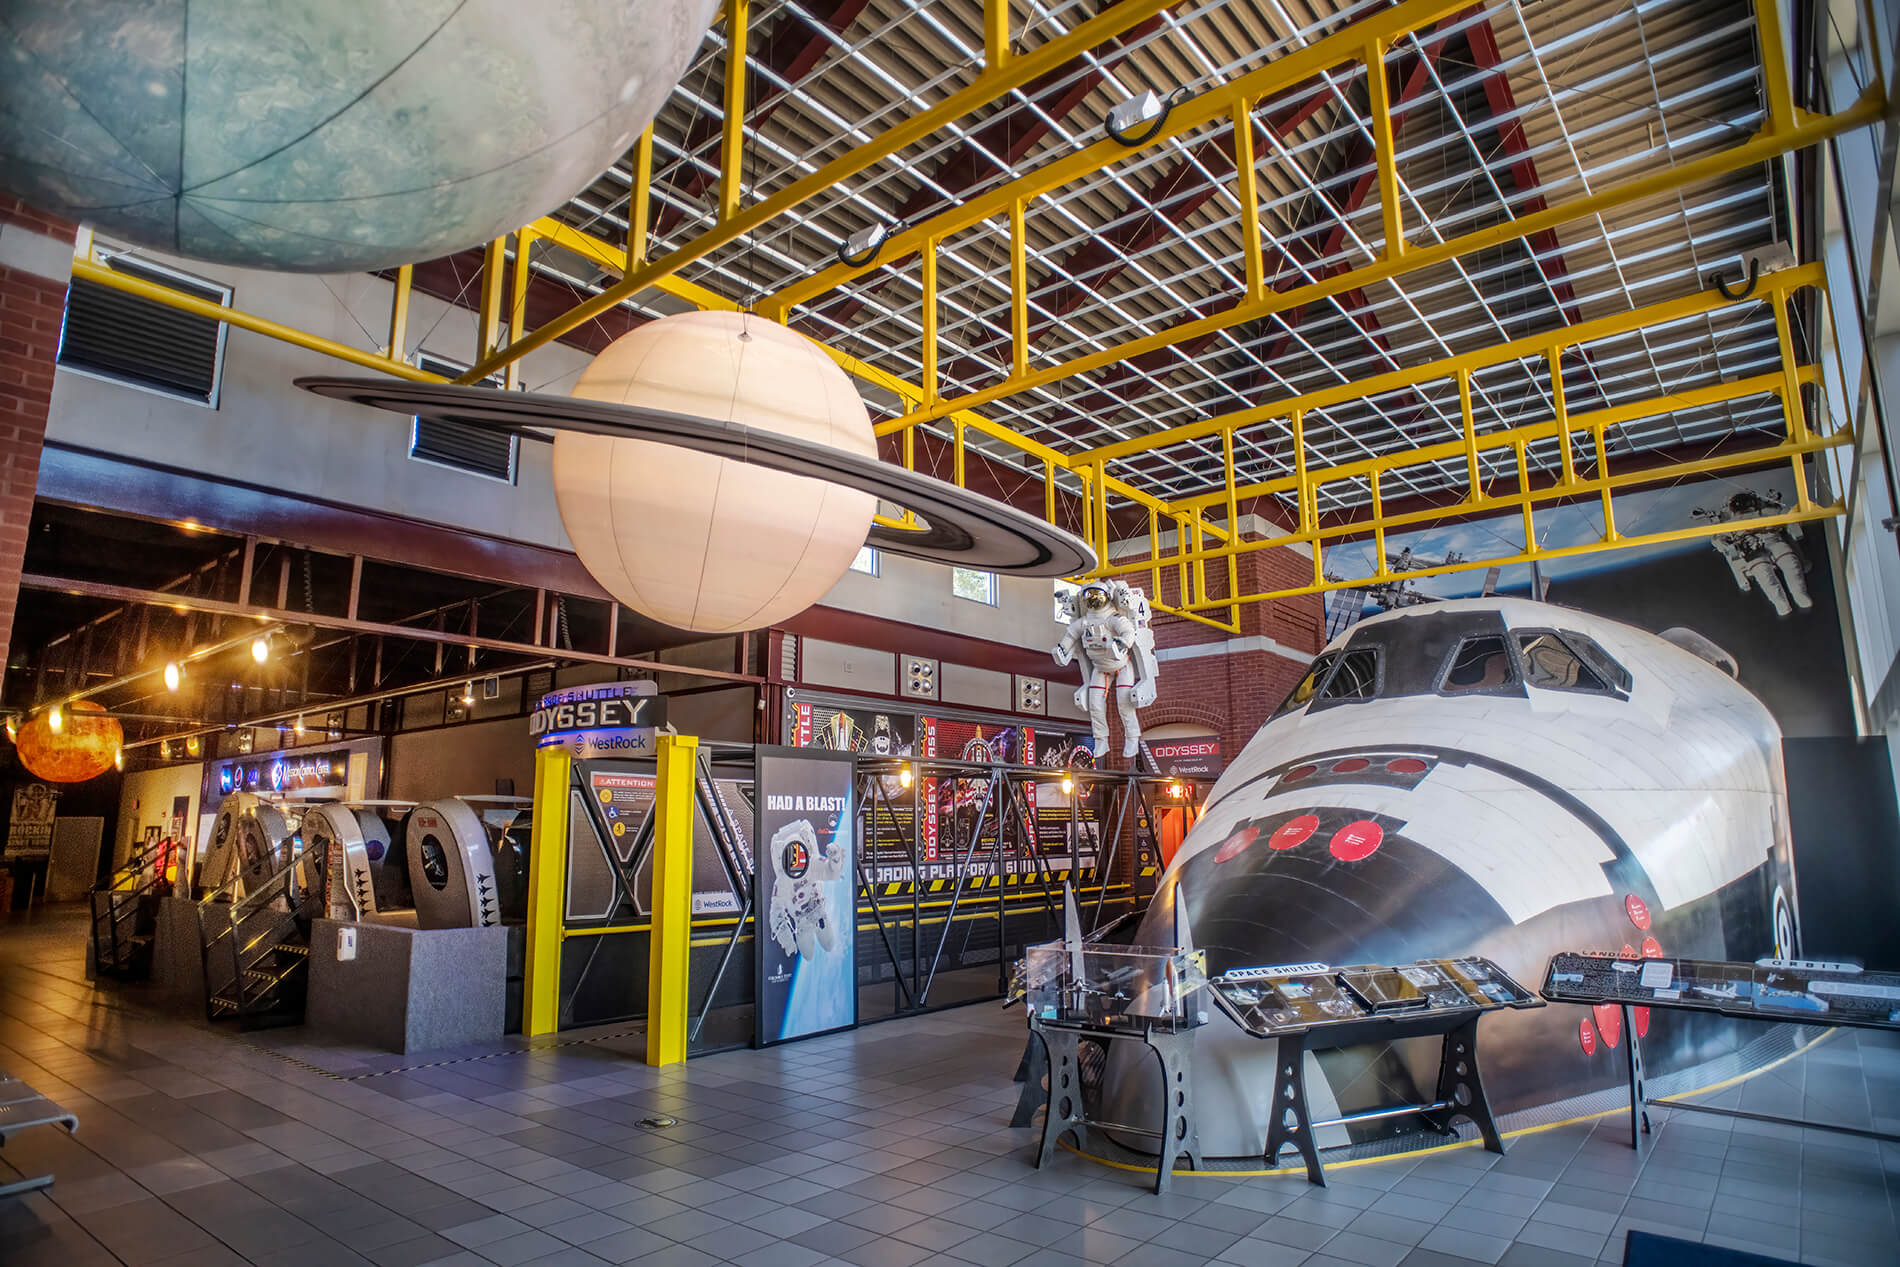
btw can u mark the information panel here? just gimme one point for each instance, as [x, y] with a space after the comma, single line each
[806, 886]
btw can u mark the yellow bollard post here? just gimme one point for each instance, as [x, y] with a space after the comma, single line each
[671, 941]
[547, 882]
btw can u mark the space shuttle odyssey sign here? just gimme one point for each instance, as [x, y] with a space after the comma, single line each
[608, 719]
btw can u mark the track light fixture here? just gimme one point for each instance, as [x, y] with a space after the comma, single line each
[173, 675]
[260, 648]
[55, 720]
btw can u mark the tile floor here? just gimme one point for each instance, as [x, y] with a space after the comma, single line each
[882, 1148]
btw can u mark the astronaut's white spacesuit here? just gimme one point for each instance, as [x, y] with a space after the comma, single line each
[802, 918]
[1765, 556]
[1109, 629]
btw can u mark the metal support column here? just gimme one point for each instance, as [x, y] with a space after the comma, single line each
[547, 885]
[672, 914]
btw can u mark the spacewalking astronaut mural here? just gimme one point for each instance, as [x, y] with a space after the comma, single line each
[1109, 631]
[1766, 558]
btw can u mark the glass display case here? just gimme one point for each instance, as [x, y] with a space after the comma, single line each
[1131, 987]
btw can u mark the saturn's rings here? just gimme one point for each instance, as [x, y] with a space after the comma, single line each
[963, 528]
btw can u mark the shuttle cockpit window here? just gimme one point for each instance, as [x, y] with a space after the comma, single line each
[1479, 664]
[1308, 684]
[1357, 677]
[1566, 661]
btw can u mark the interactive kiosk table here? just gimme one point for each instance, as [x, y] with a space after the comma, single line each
[1306, 1007]
[1159, 997]
[1793, 991]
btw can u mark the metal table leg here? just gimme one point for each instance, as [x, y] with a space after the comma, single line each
[1288, 1121]
[1639, 1101]
[1461, 1089]
[1064, 1114]
[1180, 1130]
[1033, 1072]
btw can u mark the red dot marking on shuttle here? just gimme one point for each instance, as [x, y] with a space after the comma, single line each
[1407, 765]
[1638, 910]
[1351, 765]
[1609, 1023]
[1234, 844]
[1586, 1038]
[1652, 949]
[1356, 840]
[1294, 832]
[1628, 952]
[1642, 1021]
[1299, 772]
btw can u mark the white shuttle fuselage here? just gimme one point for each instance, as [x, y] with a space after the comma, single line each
[1492, 776]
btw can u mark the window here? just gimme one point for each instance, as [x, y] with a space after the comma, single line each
[869, 561]
[1478, 664]
[111, 334]
[1551, 664]
[1310, 683]
[1357, 677]
[445, 442]
[978, 587]
[1592, 653]
[1066, 592]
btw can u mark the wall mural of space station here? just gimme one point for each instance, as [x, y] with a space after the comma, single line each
[1505, 777]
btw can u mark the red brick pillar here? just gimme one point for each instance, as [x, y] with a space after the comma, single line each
[35, 265]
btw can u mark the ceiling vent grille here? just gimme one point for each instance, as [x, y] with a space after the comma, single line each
[446, 442]
[133, 340]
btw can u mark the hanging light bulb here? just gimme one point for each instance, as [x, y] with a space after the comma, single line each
[118, 758]
[13, 727]
[55, 720]
[191, 745]
[468, 693]
[1068, 784]
[298, 724]
[903, 774]
[260, 648]
[173, 675]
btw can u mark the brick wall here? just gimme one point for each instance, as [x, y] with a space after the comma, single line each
[32, 301]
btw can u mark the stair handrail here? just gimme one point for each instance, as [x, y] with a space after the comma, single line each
[236, 912]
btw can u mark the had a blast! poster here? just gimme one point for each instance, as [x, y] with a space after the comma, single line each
[806, 894]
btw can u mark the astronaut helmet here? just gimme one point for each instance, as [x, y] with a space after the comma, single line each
[1095, 597]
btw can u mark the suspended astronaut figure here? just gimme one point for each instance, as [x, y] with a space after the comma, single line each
[1765, 556]
[802, 919]
[1109, 628]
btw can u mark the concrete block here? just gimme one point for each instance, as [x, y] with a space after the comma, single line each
[408, 989]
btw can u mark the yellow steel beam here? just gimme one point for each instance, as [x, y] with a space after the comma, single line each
[668, 948]
[987, 87]
[86, 270]
[547, 886]
[1692, 305]
[732, 142]
[640, 204]
[488, 315]
[399, 311]
[518, 301]
[1247, 180]
[1018, 290]
[927, 380]
[1344, 47]
[1385, 151]
[1763, 146]
[995, 33]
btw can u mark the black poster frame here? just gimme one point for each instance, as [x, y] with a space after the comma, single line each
[768, 759]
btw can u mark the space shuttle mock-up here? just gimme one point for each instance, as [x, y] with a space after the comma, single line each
[1484, 776]
[451, 866]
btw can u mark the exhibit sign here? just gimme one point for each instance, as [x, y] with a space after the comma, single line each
[606, 719]
[1189, 758]
[30, 829]
[805, 894]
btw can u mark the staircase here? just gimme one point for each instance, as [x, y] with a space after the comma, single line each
[257, 948]
[125, 917]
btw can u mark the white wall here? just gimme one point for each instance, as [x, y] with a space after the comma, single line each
[918, 593]
[151, 791]
[265, 432]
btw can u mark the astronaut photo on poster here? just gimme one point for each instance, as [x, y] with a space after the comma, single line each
[806, 899]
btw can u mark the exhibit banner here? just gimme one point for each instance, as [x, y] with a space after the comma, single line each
[1190, 758]
[805, 894]
[605, 720]
[30, 829]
